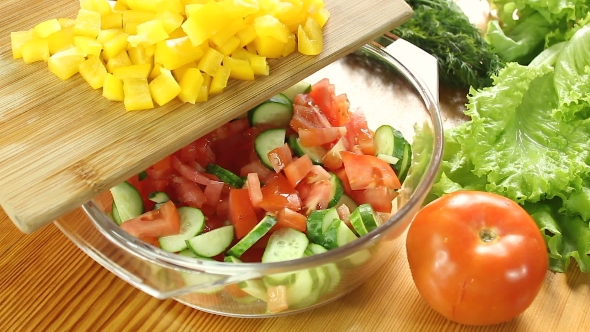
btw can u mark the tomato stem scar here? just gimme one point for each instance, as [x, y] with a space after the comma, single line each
[487, 235]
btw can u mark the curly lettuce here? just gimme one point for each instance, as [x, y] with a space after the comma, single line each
[529, 140]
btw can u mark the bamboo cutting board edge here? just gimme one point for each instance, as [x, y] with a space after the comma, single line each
[51, 160]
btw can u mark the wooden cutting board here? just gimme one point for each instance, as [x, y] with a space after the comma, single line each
[62, 143]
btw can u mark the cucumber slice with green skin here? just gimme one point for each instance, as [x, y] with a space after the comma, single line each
[192, 223]
[315, 153]
[337, 190]
[302, 288]
[188, 253]
[211, 243]
[225, 175]
[331, 270]
[285, 244]
[337, 235]
[297, 88]
[276, 112]
[202, 278]
[357, 222]
[390, 141]
[317, 222]
[348, 201]
[402, 167]
[387, 158]
[369, 217]
[253, 236]
[266, 141]
[254, 287]
[115, 214]
[128, 201]
[159, 197]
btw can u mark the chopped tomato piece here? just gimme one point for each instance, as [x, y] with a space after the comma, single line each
[154, 223]
[280, 157]
[228, 130]
[291, 219]
[188, 192]
[277, 298]
[151, 240]
[199, 151]
[297, 170]
[253, 254]
[344, 214]
[318, 197]
[379, 198]
[213, 192]
[235, 291]
[332, 160]
[318, 173]
[358, 133]
[320, 136]
[256, 166]
[241, 212]
[163, 165]
[335, 109]
[365, 171]
[277, 193]
[254, 192]
[190, 173]
[306, 114]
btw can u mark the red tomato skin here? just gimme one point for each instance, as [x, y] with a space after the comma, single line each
[465, 279]
[241, 213]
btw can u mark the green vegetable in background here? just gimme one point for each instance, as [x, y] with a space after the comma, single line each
[440, 28]
[529, 140]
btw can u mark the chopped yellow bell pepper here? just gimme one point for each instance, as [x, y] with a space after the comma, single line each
[173, 53]
[310, 38]
[291, 45]
[119, 60]
[89, 46]
[138, 71]
[66, 22]
[179, 72]
[219, 81]
[270, 26]
[112, 21]
[228, 31]
[269, 47]
[170, 21]
[210, 62]
[148, 33]
[230, 46]
[87, 23]
[35, 50]
[17, 39]
[112, 88]
[155, 72]
[204, 91]
[246, 35]
[239, 69]
[137, 94]
[259, 66]
[61, 40]
[106, 35]
[93, 71]
[145, 5]
[140, 55]
[171, 6]
[190, 85]
[164, 88]
[321, 16]
[115, 45]
[206, 22]
[102, 7]
[65, 64]
[46, 28]
[137, 16]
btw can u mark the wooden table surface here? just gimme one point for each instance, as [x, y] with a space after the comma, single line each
[48, 284]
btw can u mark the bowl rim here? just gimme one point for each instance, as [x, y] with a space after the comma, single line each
[245, 271]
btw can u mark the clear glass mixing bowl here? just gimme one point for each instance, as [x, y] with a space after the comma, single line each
[390, 90]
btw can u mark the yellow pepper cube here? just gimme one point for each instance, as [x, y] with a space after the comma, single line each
[196, 2]
[241, 8]
[35, 50]
[291, 45]
[179, 72]
[174, 53]
[137, 16]
[204, 91]
[140, 55]
[243, 54]
[239, 69]
[87, 5]
[230, 46]
[148, 33]
[270, 26]
[106, 35]
[219, 81]
[137, 94]
[205, 22]
[190, 85]
[295, 21]
[321, 16]
[46, 28]
[112, 88]
[283, 10]
[61, 40]
[119, 60]
[93, 71]
[228, 31]
[211, 62]
[310, 40]
[178, 33]
[17, 39]
[115, 45]
[66, 22]
[259, 66]
[172, 6]
[146, 5]
[170, 21]
[87, 45]
[192, 8]
[164, 88]
[65, 64]
[131, 28]
[102, 7]
[138, 71]
[269, 47]
[247, 35]
[120, 5]
[112, 21]
[155, 72]
[87, 23]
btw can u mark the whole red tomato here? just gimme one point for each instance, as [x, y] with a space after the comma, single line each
[476, 258]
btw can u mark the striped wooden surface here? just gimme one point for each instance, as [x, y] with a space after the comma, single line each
[48, 284]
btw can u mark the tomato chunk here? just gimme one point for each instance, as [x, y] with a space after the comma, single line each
[367, 171]
[188, 192]
[241, 212]
[277, 193]
[335, 108]
[190, 173]
[254, 191]
[297, 170]
[155, 223]
[280, 157]
[320, 136]
[289, 218]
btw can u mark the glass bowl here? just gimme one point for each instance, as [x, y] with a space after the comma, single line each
[388, 92]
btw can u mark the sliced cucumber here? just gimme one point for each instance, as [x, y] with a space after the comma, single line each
[192, 223]
[266, 141]
[391, 142]
[348, 201]
[128, 201]
[369, 217]
[337, 235]
[276, 112]
[211, 243]
[331, 270]
[297, 88]
[387, 158]
[285, 244]
[302, 288]
[253, 236]
[225, 175]
[357, 223]
[188, 253]
[317, 222]
[203, 278]
[159, 197]
[402, 167]
[337, 190]
[315, 153]
[115, 214]
[254, 287]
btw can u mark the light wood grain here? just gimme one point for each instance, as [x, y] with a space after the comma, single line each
[47, 284]
[62, 143]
